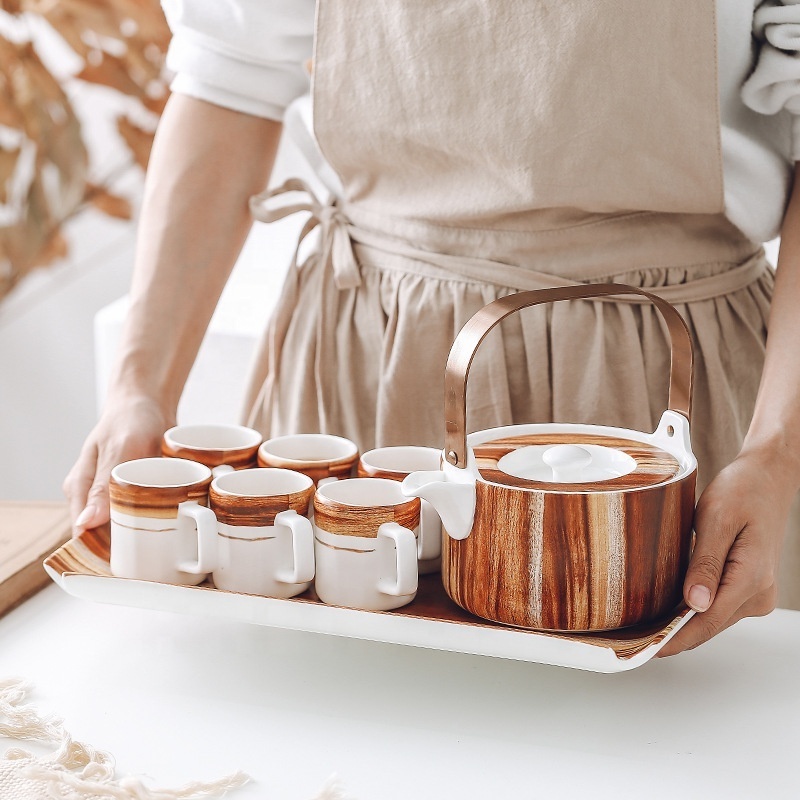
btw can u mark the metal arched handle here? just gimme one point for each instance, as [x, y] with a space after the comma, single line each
[473, 333]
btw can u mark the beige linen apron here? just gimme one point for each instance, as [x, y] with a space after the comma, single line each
[486, 148]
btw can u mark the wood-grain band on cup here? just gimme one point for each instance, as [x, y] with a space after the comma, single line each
[138, 500]
[317, 455]
[212, 445]
[238, 459]
[364, 521]
[258, 511]
[394, 463]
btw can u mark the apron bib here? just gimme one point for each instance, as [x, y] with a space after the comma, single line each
[469, 112]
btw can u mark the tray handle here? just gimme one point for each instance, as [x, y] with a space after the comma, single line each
[478, 326]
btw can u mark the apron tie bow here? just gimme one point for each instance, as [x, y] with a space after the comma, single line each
[336, 249]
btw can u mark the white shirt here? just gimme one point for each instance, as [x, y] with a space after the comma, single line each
[249, 55]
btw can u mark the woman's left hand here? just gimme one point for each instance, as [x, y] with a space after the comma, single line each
[739, 523]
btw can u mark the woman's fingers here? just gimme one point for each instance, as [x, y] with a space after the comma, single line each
[96, 511]
[728, 600]
[77, 486]
[133, 429]
[716, 530]
[86, 488]
[692, 636]
[733, 566]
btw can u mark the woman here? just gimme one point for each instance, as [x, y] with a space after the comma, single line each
[485, 148]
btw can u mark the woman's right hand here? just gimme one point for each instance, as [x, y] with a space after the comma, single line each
[129, 428]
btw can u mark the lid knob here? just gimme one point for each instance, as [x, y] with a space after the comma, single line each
[566, 460]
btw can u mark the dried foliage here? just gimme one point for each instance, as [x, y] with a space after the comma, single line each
[44, 164]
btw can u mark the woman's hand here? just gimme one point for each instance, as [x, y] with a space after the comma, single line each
[740, 523]
[129, 428]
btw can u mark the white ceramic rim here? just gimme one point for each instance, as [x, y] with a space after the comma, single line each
[134, 472]
[339, 448]
[353, 491]
[392, 459]
[183, 436]
[261, 482]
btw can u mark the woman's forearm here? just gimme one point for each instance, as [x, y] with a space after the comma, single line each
[205, 164]
[775, 428]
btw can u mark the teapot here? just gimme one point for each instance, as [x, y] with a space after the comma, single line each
[564, 526]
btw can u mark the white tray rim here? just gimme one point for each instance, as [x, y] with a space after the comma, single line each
[385, 627]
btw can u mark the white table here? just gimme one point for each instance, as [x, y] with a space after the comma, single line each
[177, 698]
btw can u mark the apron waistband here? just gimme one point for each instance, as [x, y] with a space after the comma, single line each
[435, 265]
[344, 246]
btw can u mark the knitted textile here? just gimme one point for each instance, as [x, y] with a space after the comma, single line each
[76, 771]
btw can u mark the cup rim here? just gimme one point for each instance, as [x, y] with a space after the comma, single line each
[346, 484]
[203, 473]
[256, 437]
[350, 448]
[398, 451]
[217, 485]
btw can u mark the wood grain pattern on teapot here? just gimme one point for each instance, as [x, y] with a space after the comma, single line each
[349, 520]
[594, 561]
[160, 502]
[239, 458]
[653, 465]
[257, 511]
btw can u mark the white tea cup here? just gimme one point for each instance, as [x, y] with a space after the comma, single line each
[321, 456]
[365, 544]
[215, 445]
[396, 463]
[265, 542]
[161, 529]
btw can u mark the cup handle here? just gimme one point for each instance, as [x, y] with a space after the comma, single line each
[221, 469]
[205, 523]
[405, 545]
[302, 547]
[430, 532]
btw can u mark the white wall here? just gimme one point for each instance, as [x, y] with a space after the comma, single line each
[46, 357]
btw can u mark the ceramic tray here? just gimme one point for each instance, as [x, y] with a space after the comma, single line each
[81, 568]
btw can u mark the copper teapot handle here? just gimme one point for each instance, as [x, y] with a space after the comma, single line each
[473, 333]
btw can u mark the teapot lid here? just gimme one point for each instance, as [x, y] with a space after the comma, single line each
[574, 462]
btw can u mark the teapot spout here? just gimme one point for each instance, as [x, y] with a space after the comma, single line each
[453, 502]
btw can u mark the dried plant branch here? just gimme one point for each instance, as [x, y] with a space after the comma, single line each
[43, 159]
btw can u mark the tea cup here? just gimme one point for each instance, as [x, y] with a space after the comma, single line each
[396, 463]
[319, 455]
[365, 544]
[265, 542]
[232, 446]
[161, 529]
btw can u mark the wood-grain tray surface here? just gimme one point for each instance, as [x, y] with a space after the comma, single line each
[81, 568]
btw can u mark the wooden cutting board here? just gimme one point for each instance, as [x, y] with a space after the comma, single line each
[28, 533]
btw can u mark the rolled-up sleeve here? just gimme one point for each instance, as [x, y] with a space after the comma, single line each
[774, 84]
[246, 55]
